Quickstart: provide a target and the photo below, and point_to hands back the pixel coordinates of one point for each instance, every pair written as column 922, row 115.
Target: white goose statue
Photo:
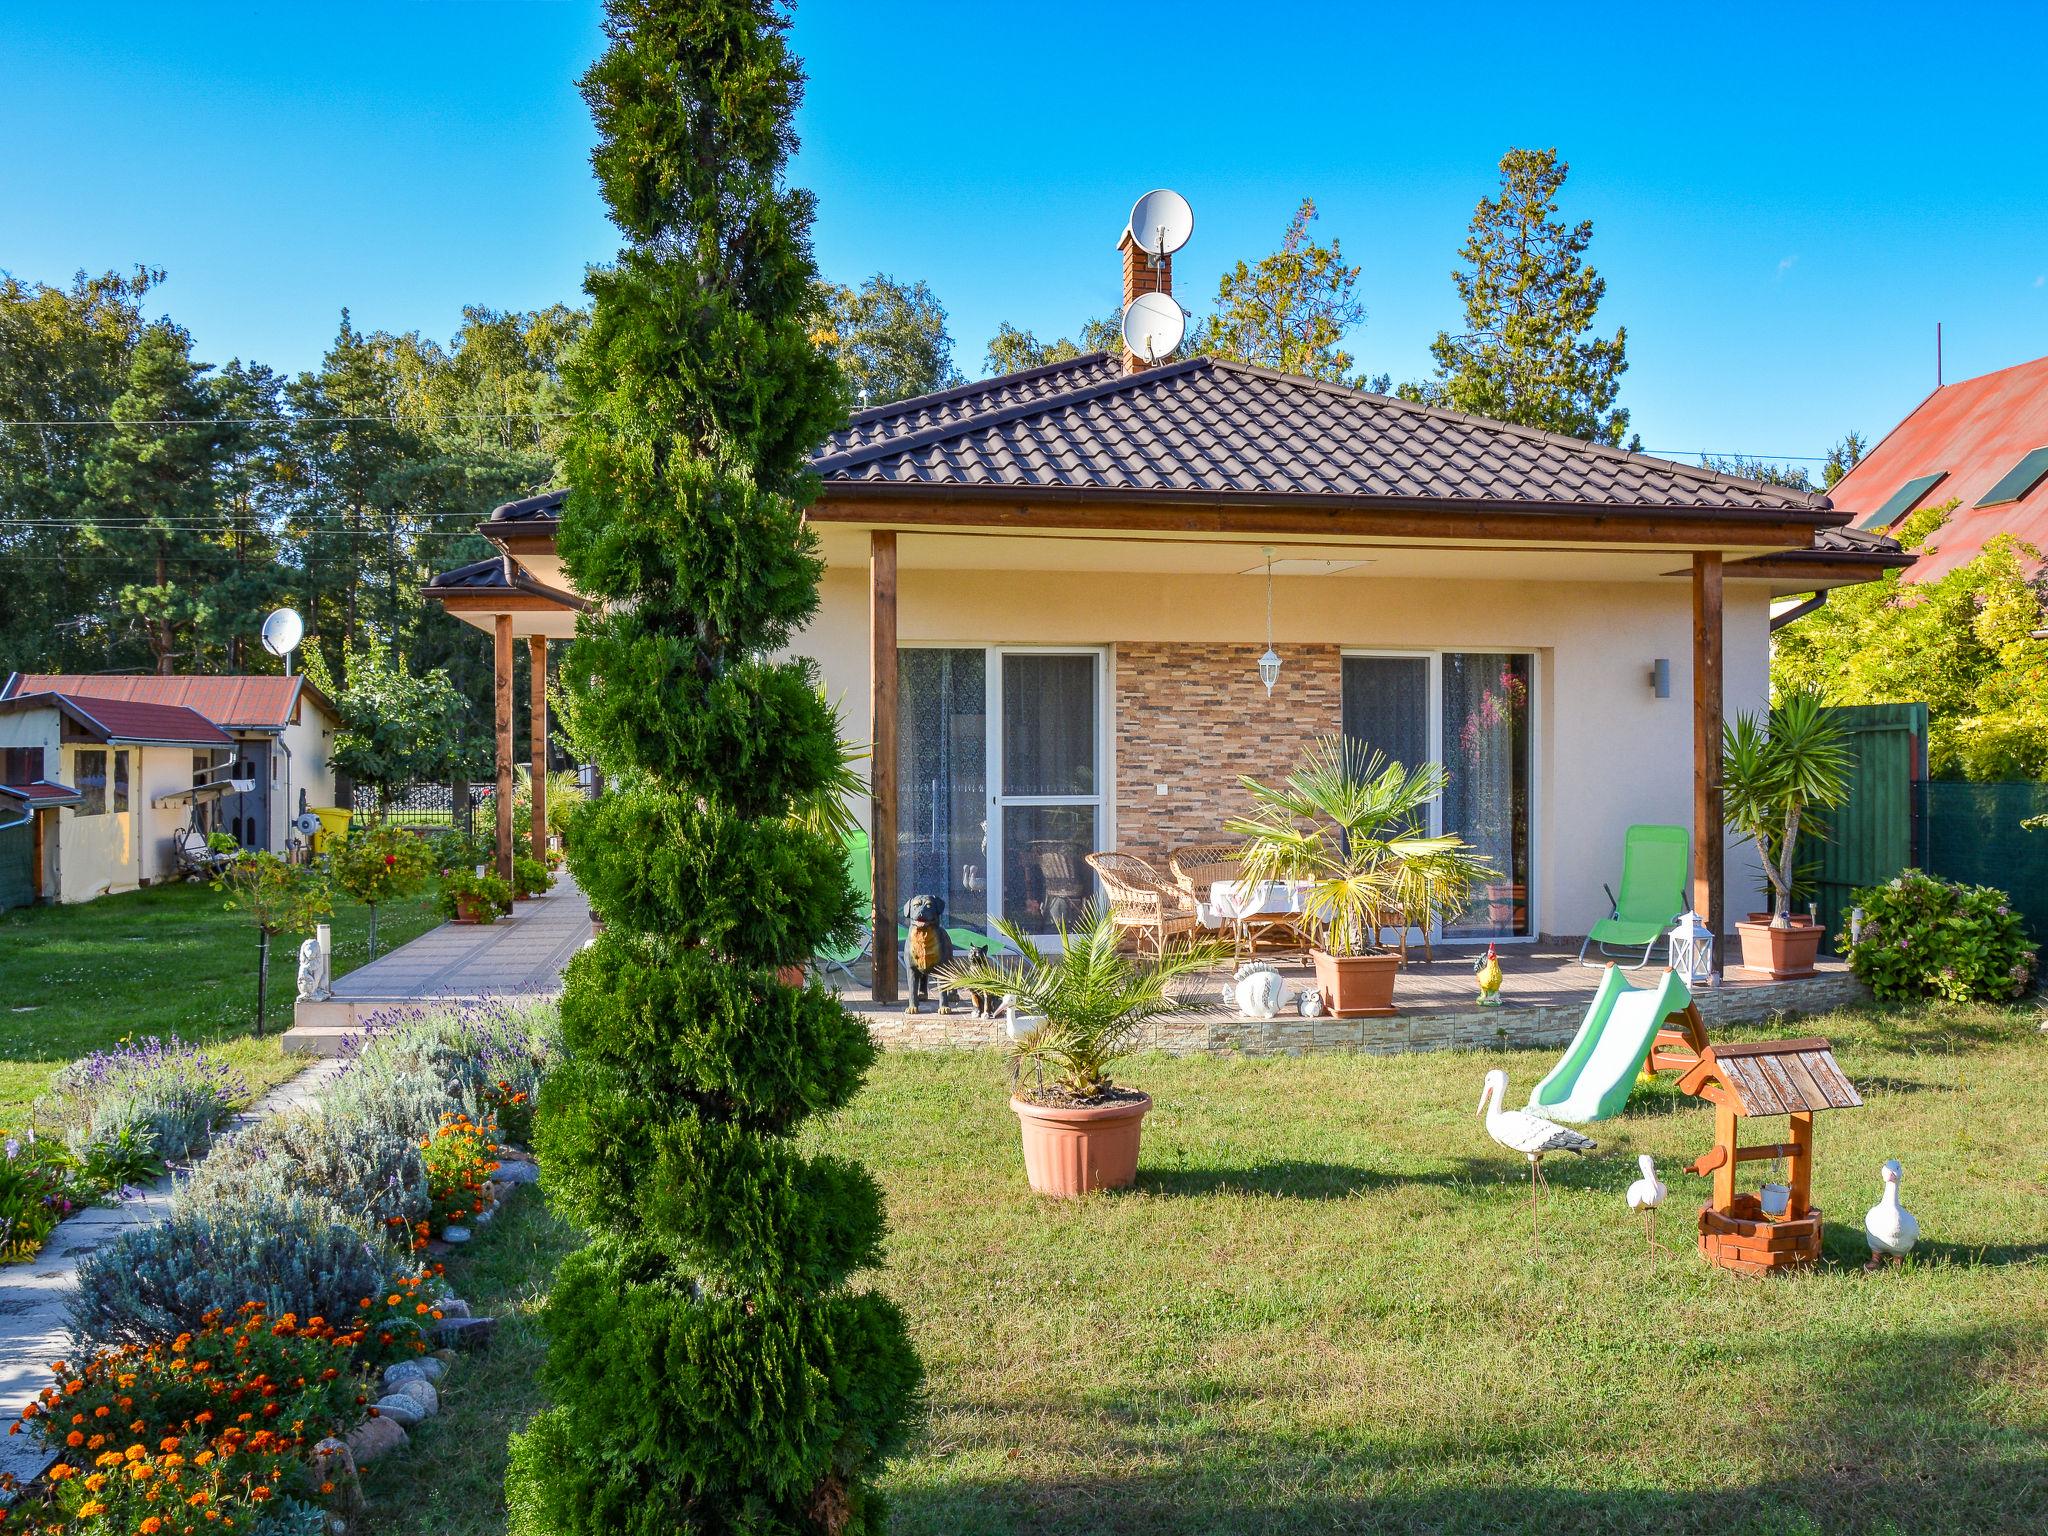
column 1530, row 1135
column 1646, row 1194
column 1888, row 1226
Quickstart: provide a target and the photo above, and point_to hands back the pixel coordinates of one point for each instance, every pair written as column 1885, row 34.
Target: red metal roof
column 124, row 720
column 1971, row 433
column 42, row 792
column 238, row 703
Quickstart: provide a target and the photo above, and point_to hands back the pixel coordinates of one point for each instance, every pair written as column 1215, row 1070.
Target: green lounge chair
column 862, row 872
column 1655, row 864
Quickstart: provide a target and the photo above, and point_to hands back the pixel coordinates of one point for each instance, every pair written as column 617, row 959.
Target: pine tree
column 710, row 1369
column 1530, row 299
column 1289, row 311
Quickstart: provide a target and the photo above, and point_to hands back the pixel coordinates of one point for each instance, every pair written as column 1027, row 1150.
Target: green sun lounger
column 1592, row 1080
column 1655, row 864
column 862, row 873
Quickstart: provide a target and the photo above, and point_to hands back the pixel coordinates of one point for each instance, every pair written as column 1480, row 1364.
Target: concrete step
column 327, row 1040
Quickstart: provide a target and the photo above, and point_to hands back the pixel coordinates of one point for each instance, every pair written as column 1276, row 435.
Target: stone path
column 33, row 1296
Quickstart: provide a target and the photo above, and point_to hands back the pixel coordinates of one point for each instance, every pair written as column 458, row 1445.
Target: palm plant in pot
column 1350, row 824
column 1777, row 774
column 1076, row 1014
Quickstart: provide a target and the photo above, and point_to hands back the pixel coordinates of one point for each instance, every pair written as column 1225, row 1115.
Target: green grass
column 161, row 961
column 1321, row 1310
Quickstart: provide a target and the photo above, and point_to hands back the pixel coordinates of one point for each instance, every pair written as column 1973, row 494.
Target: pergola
column 501, row 597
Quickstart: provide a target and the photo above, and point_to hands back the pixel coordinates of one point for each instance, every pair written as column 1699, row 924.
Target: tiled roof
column 125, row 721
column 1206, row 427
column 42, row 792
column 478, row 576
column 246, row 702
column 544, row 507
column 1971, row 434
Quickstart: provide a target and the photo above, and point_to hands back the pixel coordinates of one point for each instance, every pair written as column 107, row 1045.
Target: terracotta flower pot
column 1070, row 1150
column 1355, row 986
column 471, row 909
column 1783, row 954
column 790, row 975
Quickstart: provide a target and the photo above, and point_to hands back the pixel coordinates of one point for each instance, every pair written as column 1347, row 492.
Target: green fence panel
column 1974, row 835
column 17, row 867
column 1874, row 835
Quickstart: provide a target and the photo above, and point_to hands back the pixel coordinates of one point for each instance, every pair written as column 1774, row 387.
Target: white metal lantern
column 1269, row 669
column 1692, row 950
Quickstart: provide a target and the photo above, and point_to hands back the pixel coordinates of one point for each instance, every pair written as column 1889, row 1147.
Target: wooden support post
column 40, row 852
column 537, row 728
column 1727, row 1127
column 1707, row 838
column 1799, row 1167
column 882, row 765
column 501, row 688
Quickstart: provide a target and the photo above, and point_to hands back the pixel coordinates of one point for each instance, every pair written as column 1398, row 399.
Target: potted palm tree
column 1079, row 1012
column 1349, row 823
column 1777, row 774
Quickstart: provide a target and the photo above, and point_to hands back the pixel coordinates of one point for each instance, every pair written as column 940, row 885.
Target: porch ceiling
column 552, row 621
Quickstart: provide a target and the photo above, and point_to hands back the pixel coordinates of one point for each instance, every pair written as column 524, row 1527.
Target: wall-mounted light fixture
column 1660, row 677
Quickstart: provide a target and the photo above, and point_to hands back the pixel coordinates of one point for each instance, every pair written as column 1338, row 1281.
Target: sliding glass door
column 1000, row 782
column 1468, row 710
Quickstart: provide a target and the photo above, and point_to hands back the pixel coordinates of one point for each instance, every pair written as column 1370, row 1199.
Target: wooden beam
column 501, row 689
column 496, row 600
column 1707, row 630
column 1727, row 1131
column 41, row 848
column 882, row 765
column 1799, row 1166
column 537, row 730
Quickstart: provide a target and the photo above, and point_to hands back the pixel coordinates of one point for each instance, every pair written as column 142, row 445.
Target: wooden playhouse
column 1794, row 1078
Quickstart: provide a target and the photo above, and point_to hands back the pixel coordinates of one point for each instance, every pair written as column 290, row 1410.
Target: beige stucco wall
column 1608, row 752
column 309, row 739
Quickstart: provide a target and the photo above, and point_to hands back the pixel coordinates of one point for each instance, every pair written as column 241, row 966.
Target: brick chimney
column 1142, row 274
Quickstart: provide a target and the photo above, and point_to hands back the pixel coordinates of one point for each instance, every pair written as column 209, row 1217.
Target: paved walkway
column 34, row 1322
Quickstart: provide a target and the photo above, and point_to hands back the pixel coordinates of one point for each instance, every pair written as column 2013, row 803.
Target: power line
column 79, row 423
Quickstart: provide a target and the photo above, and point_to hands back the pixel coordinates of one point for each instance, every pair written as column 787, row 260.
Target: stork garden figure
column 1530, row 1135
column 1645, row 1195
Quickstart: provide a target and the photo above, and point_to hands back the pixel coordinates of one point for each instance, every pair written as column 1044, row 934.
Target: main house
column 105, row 775
column 1047, row 597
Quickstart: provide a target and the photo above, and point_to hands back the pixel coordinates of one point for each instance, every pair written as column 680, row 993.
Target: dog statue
column 930, row 949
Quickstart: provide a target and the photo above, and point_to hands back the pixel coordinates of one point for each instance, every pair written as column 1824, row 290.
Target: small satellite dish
column 283, row 629
column 1153, row 326
column 1161, row 222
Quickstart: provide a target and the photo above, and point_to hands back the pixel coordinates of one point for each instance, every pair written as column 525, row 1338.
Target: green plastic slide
column 1593, row 1079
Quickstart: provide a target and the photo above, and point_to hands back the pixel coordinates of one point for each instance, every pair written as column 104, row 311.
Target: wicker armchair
column 1196, row 869
column 1141, row 902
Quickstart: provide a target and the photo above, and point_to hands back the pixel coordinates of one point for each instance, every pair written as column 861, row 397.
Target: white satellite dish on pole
column 1153, row 326
column 1161, row 222
column 283, row 629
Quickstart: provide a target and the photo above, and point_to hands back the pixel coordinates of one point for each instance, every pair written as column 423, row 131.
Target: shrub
column 298, row 1254
column 371, row 1174
column 530, row 876
column 488, row 1059
column 486, row 896
column 213, row 1426
column 460, row 1156
column 178, row 1093
column 38, row 1189
column 1927, row 937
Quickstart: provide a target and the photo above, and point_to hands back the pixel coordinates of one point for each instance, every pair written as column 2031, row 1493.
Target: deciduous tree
column 1289, row 311
column 889, row 338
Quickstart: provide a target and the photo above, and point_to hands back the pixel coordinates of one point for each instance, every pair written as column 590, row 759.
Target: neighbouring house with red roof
column 1982, row 443
column 102, row 778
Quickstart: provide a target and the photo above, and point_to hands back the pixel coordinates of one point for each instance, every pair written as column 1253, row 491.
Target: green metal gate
column 1879, row 831
column 17, row 865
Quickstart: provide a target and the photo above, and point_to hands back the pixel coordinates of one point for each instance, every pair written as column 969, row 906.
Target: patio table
column 1250, row 910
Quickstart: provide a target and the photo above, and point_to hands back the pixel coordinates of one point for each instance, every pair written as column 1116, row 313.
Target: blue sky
column 1786, row 197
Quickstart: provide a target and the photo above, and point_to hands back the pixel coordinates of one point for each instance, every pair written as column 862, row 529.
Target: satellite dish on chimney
column 1153, row 326
column 283, row 629
column 1160, row 224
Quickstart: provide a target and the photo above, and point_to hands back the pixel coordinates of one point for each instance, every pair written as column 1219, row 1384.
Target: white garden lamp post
column 1692, row 951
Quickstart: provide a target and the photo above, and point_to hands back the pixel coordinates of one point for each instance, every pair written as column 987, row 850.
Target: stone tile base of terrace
column 1544, row 999
column 518, row 956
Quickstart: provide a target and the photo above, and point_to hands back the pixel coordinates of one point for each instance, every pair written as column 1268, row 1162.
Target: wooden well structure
column 1794, row 1078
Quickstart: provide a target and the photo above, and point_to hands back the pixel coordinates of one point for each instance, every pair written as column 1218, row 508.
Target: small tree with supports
column 382, row 864
column 277, row 897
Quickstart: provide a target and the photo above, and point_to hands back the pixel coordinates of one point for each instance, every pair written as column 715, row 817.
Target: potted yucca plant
column 1082, row 1010
column 1778, row 773
column 1349, row 823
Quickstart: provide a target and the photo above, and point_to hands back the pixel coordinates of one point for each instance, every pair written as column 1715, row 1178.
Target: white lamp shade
column 1269, row 669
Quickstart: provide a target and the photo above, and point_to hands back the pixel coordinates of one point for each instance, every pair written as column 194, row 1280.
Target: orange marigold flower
column 74, row 1439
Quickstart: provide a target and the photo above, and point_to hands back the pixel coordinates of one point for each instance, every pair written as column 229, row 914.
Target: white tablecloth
column 1233, row 901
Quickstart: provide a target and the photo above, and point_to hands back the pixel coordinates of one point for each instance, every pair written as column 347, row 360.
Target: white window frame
column 1537, row 788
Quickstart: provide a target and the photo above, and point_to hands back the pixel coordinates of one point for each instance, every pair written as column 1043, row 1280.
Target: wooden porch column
column 1706, row 749
column 39, row 836
column 501, row 688
column 537, row 727
column 882, row 765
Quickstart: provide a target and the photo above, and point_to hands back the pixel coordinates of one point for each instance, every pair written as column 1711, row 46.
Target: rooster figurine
column 1487, row 971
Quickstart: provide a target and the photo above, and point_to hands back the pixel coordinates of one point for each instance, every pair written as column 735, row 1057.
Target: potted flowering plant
column 1348, row 822
column 1077, row 1013
column 472, row 896
column 530, row 877
column 1777, row 773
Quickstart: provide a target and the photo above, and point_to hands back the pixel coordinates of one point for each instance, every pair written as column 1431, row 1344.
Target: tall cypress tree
column 710, row 1369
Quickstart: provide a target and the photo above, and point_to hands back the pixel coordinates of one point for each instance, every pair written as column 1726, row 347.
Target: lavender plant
column 175, row 1093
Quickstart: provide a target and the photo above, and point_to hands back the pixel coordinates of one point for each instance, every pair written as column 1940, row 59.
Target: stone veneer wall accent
column 1195, row 717
column 1461, row 1029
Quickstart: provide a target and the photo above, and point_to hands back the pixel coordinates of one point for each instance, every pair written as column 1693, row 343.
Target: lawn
column 161, row 961
column 1322, row 1310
